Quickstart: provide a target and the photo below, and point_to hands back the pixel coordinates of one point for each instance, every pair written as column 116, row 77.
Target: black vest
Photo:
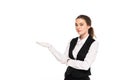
column 81, row 55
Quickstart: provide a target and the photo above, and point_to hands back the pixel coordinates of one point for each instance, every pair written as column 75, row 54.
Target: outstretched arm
column 60, row 57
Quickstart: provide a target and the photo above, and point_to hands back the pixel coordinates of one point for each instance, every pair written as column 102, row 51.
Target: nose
column 78, row 27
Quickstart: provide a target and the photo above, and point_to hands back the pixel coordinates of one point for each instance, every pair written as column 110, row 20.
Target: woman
column 80, row 52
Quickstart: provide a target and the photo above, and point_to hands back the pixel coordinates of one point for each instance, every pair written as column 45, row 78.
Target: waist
column 77, row 72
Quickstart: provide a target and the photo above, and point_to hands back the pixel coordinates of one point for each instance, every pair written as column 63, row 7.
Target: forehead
column 80, row 20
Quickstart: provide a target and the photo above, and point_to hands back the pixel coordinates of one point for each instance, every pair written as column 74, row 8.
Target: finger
column 42, row 44
column 38, row 43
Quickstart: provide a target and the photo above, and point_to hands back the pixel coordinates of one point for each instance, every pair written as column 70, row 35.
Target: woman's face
column 81, row 27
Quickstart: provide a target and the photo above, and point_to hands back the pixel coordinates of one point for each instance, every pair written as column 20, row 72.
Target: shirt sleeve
column 89, row 59
column 60, row 57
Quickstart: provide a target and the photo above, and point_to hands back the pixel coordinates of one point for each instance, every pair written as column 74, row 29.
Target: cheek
column 88, row 28
column 85, row 29
column 75, row 28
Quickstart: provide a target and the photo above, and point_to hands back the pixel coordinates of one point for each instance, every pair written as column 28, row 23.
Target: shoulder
column 73, row 39
column 95, row 44
column 95, row 41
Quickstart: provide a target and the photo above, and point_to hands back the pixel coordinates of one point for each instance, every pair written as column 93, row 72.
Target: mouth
column 78, row 30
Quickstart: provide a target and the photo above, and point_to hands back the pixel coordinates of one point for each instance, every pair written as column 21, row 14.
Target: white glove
column 44, row 44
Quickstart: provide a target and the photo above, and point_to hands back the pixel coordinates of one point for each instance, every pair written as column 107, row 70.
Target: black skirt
column 74, row 78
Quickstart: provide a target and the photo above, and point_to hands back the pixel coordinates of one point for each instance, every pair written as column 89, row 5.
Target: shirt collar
column 82, row 40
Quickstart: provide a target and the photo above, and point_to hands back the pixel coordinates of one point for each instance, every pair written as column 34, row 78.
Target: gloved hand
column 44, row 44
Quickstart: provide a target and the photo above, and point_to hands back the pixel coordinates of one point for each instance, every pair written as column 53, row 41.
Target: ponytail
column 91, row 32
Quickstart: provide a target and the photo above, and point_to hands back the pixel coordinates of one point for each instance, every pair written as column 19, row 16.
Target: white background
column 23, row 22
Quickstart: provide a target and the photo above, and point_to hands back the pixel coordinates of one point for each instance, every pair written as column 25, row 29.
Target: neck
column 83, row 36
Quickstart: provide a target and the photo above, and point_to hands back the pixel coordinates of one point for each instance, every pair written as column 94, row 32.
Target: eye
column 81, row 24
column 76, row 24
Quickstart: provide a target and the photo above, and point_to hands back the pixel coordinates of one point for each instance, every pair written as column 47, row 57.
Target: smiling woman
column 80, row 52
column 83, row 26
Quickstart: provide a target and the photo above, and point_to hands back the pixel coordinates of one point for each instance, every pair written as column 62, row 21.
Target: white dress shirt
column 78, row 64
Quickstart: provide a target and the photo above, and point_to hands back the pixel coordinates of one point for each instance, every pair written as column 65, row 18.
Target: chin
column 79, row 33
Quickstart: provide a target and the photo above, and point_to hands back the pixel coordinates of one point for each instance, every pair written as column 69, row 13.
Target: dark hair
column 88, row 21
